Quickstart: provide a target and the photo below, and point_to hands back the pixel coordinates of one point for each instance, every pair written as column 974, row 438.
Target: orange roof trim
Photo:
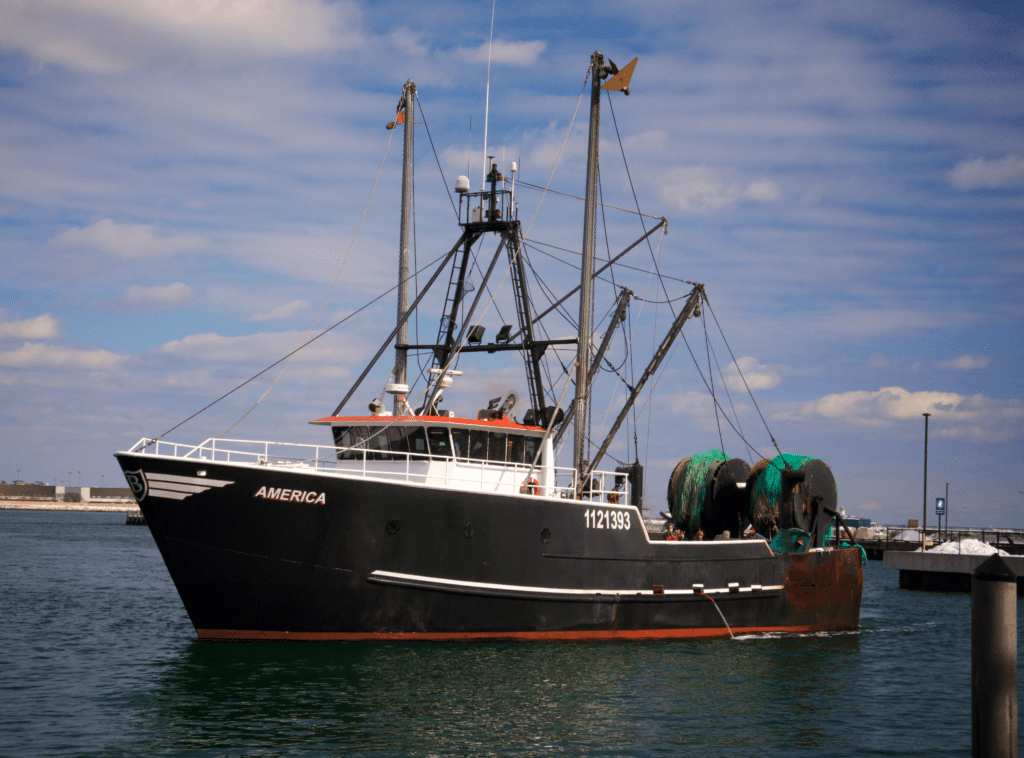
column 502, row 423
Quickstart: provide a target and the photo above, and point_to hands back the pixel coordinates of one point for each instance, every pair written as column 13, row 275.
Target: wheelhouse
column 495, row 454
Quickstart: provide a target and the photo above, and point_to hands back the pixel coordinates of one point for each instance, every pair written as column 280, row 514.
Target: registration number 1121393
column 596, row 519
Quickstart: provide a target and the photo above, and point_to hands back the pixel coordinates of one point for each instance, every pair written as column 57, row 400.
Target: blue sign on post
column 940, row 505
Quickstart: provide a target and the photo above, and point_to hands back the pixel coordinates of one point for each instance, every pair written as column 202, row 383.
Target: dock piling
column 994, row 660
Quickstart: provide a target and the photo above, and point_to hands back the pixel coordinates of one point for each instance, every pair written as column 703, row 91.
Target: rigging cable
column 543, row 330
column 731, row 355
column 711, row 376
column 728, row 394
column 577, row 197
column 416, row 275
column 329, row 293
column 604, row 223
column 635, row 200
column 632, row 377
column 620, row 264
column 714, row 399
column 440, row 170
column 289, row 355
column 537, row 210
column 559, row 156
column 654, row 337
column 566, row 263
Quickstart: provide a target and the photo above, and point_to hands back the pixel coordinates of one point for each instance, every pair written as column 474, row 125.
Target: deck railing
column 421, row 468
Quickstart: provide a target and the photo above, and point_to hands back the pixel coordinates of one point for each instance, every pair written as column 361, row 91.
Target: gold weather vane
column 619, row 81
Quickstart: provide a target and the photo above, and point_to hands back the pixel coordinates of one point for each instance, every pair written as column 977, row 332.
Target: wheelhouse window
column 379, row 443
column 460, row 442
column 407, row 439
column 399, row 441
column 478, row 444
column 496, row 447
column 440, row 443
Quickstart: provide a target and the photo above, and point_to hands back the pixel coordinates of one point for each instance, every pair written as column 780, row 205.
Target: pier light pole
column 947, row 510
column 924, row 516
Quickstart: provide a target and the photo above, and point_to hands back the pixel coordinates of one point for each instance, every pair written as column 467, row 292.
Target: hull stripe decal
column 170, row 494
column 596, row 634
column 187, row 489
column 431, row 582
column 175, row 487
column 200, row 480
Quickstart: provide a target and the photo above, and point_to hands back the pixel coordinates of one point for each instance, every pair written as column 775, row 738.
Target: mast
column 401, row 351
column 597, row 72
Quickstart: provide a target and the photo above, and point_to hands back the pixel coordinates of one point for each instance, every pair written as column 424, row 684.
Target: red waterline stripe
column 605, row 634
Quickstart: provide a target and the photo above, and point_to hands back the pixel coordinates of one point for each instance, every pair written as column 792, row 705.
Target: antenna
column 469, row 148
column 487, row 97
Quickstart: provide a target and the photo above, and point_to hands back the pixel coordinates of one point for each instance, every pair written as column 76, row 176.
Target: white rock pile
column 966, row 547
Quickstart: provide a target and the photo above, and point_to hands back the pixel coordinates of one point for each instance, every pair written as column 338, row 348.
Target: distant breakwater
column 124, row 506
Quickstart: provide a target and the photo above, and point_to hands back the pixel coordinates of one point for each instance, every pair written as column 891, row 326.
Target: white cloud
column 702, row 189
column 160, row 297
column 103, row 36
column 35, row 355
column 758, row 376
column 42, row 327
column 261, row 348
column 763, row 191
column 691, row 404
column 408, row 41
column 124, row 240
column 965, row 362
column 1007, row 171
column 953, row 415
column 504, row 52
column 282, row 311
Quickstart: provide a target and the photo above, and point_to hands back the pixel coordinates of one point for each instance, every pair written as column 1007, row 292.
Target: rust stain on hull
column 823, row 590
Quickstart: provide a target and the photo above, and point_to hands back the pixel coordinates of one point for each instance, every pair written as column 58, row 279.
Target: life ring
column 530, row 487
column 613, row 498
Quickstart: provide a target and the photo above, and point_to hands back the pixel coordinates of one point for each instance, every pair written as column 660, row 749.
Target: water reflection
column 501, row 698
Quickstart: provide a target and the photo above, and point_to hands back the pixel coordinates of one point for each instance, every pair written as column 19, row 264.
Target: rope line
column 731, row 635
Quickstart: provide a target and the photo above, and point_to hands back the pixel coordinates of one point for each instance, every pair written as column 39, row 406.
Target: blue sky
column 180, row 182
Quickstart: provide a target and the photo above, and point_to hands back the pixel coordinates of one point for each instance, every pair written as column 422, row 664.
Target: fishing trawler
column 415, row 523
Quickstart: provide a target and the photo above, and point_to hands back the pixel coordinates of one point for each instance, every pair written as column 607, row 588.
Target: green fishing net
column 695, row 490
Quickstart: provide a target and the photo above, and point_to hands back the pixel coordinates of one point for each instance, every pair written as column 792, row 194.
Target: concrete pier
column 941, row 572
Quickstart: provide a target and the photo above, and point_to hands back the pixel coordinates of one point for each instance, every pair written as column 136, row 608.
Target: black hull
column 364, row 559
